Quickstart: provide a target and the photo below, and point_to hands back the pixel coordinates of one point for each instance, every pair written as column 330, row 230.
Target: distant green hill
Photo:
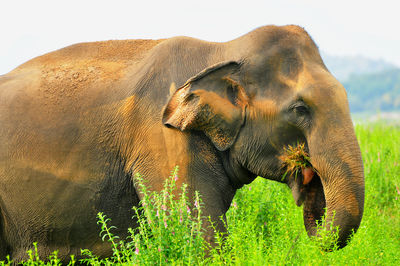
column 342, row 67
column 374, row 92
column 372, row 85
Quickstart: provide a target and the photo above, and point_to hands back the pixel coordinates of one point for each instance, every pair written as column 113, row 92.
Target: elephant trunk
column 338, row 186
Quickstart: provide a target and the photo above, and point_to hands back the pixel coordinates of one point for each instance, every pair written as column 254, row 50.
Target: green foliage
column 169, row 229
column 327, row 235
column 264, row 224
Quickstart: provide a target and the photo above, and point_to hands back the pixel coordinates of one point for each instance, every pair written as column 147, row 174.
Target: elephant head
column 273, row 91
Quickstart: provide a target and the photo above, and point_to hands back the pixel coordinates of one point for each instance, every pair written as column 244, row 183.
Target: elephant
column 78, row 123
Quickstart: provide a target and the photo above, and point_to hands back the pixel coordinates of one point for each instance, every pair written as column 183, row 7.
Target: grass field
column 265, row 226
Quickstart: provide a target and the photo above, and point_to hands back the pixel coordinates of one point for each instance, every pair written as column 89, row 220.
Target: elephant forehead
column 279, row 38
column 280, row 48
column 317, row 86
column 327, row 97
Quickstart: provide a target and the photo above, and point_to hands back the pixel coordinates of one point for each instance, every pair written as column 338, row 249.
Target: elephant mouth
column 309, row 192
column 314, row 205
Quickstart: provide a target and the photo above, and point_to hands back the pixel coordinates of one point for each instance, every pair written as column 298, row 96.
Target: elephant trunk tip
column 324, row 222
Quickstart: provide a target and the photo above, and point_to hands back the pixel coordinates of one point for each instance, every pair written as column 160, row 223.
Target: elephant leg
column 219, row 227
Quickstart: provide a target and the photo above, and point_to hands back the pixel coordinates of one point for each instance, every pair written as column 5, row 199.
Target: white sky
column 342, row 27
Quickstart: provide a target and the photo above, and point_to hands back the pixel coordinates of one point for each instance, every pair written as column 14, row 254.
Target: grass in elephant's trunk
column 296, row 159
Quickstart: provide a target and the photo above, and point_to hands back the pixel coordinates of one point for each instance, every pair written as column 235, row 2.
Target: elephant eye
column 300, row 108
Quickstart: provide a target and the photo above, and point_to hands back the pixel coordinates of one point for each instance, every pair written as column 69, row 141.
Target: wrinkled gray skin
column 77, row 123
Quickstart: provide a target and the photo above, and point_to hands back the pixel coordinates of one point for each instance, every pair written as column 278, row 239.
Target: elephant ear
column 211, row 102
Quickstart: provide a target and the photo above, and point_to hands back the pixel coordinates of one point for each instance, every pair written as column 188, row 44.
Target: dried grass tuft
column 295, row 158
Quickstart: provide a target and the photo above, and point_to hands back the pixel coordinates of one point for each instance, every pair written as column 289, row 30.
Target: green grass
column 265, row 226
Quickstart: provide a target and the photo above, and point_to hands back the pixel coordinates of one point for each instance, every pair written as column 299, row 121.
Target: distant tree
column 373, row 92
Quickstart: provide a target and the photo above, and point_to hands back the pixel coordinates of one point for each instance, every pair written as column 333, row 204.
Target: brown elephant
column 77, row 123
